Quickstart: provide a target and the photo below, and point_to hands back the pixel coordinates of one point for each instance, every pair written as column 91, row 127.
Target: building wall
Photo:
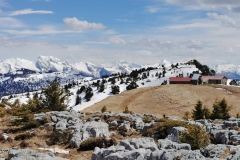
column 177, row 82
column 224, row 81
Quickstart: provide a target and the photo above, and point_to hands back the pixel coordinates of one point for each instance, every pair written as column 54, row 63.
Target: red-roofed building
column 214, row 80
column 179, row 80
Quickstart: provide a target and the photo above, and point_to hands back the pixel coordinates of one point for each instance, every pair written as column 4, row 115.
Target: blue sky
column 140, row 31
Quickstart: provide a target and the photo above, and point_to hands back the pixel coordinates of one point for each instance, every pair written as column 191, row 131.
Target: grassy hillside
column 171, row 100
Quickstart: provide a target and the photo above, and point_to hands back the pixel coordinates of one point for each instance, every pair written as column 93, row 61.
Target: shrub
column 59, row 137
column 115, row 89
column 100, row 142
column 23, row 136
column 104, row 109
column 160, row 128
column 126, row 110
column 132, row 85
column 195, row 136
column 30, row 125
column 147, row 119
column 23, row 144
column 2, row 112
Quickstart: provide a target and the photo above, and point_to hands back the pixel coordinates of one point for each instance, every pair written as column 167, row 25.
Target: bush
column 147, row 119
column 160, row 128
column 104, row 109
column 2, row 112
column 100, row 142
column 23, row 136
column 59, row 137
column 195, row 136
column 30, row 125
column 126, row 110
column 115, row 89
column 23, row 144
column 132, row 85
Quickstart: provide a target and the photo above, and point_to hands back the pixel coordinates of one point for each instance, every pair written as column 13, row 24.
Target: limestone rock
column 26, row 154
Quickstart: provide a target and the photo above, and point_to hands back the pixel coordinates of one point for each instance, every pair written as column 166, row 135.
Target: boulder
column 230, row 124
column 173, row 133
column 167, row 144
column 61, row 125
column 131, row 149
column 88, row 130
column 26, row 154
column 193, row 155
column 213, row 151
column 235, row 139
column 221, row 136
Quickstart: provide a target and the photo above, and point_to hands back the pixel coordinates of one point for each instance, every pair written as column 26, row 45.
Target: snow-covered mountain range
column 229, row 70
column 49, row 64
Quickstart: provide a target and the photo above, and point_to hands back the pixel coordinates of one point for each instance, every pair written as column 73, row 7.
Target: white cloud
column 79, row 25
column 36, row 32
column 224, row 5
column 4, row 4
column 9, row 22
column 152, row 9
column 29, row 11
column 117, row 40
column 224, row 19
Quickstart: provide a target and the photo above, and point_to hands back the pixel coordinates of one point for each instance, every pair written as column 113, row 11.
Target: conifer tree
column 198, row 112
column 54, row 97
column 216, row 113
column 88, row 94
column 115, row 89
column 78, row 100
column 224, row 109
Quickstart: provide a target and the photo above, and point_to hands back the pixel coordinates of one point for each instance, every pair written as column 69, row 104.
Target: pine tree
column 101, row 87
column 35, row 95
column 78, row 100
column 54, row 97
column 224, row 109
column 115, row 89
column 198, row 112
column 206, row 113
column 216, row 113
column 88, row 94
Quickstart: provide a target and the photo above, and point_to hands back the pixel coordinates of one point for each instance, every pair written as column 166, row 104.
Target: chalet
column 196, row 79
column 214, row 80
column 179, row 80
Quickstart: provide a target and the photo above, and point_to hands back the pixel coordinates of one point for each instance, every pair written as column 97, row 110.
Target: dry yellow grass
column 170, row 100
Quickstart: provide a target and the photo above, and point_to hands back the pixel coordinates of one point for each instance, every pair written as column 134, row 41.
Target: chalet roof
column 179, row 79
column 206, row 78
column 196, row 76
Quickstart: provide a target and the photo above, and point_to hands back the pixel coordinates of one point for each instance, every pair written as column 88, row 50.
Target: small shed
column 179, row 80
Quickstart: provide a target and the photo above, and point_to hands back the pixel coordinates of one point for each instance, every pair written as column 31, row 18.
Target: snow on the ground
column 55, row 150
column 151, row 80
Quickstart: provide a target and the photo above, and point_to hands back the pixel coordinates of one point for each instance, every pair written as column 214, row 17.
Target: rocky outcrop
column 88, row 130
column 26, row 154
column 145, row 149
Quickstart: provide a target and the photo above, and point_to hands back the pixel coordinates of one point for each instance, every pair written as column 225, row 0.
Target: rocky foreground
column 86, row 127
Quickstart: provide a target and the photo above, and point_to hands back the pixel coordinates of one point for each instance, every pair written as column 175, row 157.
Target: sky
column 138, row 31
